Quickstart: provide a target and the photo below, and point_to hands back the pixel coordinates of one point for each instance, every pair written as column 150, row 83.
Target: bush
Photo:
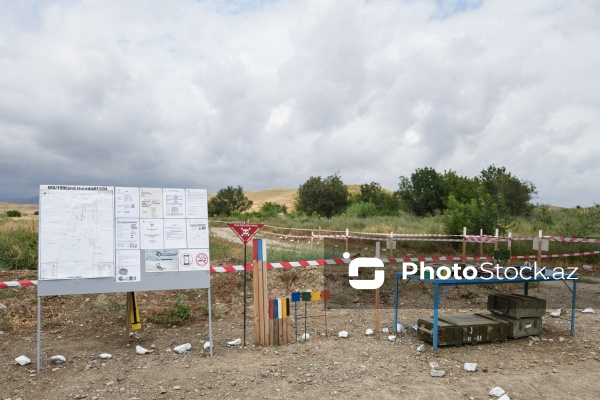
column 481, row 212
column 362, row 210
column 13, row 213
column 324, row 197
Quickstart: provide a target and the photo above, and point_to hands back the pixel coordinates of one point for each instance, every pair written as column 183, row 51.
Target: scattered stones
column 23, row 360
column 436, row 373
column 183, row 348
column 140, row 350
column 497, row 391
column 470, row 367
column 58, row 359
column 555, row 314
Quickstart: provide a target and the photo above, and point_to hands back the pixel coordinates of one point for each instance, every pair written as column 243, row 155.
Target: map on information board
column 77, row 238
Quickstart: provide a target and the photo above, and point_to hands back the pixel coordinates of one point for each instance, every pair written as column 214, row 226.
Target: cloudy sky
column 265, row 94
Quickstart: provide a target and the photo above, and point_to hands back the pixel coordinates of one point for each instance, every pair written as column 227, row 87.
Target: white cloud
column 266, row 94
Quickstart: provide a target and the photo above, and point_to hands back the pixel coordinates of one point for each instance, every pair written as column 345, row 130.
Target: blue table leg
column 396, row 307
column 573, row 305
column 526, row 290
column 436, row 305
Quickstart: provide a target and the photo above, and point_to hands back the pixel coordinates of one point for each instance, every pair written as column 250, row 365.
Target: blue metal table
column 494, row 280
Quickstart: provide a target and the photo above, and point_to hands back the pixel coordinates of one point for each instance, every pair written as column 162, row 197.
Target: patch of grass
column 177, row 315
column 7, row 293
column 6, row 324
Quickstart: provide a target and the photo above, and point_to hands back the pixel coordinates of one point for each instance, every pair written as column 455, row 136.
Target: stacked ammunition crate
column 522, row 313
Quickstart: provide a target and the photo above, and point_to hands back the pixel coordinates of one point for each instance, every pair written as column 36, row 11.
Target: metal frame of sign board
column 149, row 281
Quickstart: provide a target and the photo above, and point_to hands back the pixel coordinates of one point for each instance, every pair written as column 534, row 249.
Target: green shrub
column 19, row 249
column 362, row 209
column 13, row 213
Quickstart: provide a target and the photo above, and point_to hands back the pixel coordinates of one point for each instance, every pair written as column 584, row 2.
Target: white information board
column 100, row 239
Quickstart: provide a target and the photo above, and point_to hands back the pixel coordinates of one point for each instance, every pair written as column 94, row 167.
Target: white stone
column 385, row 330
column 497, row 391
column 369, row 332
column 436, row 373
column 343, row 334
column 587, row 267
column 433, row 365
column 470, row 367
column 23, row 360
column 140, row 350
column 235, row 342
column 555, row 314
column 589, row 310
column 58, row 359
column 392, row 338
column 504, row 397
column 182, row 348
column 399, row 328
column 305, row 336
column 206, row 346
column 421, row 348
column 105, row 356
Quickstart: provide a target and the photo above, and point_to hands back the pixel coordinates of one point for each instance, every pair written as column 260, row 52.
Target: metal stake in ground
column 245, row 232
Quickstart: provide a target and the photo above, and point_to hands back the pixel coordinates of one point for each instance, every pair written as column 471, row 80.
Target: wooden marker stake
column 377, row 294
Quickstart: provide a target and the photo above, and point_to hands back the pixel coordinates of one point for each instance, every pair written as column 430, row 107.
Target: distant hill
column 259, row 197
column 279, row 196
column 27, row 209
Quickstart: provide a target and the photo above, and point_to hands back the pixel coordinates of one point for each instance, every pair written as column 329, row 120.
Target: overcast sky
column 264, row 94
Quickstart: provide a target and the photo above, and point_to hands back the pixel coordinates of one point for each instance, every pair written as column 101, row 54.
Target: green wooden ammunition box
column 516, row 305
column 523, row 327
column 464, row 329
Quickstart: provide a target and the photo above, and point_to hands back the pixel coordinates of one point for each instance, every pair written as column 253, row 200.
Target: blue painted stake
column 295, row 300
column 573, row 307
column 436, row 305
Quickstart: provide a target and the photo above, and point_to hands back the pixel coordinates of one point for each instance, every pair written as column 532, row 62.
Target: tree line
column 487, row 201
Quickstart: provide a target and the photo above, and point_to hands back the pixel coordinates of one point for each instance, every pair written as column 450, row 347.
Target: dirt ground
column 553, row 365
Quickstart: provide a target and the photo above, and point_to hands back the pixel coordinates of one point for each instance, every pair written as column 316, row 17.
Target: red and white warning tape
column 340, row 261
column 285, row 236
column 17, row 283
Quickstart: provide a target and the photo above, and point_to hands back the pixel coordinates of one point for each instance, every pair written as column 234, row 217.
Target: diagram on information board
column 77, row 233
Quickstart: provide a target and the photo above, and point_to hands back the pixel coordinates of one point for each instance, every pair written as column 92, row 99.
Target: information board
column 101, row 239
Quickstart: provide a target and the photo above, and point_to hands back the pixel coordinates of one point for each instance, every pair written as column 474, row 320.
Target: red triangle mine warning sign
column 245, row 231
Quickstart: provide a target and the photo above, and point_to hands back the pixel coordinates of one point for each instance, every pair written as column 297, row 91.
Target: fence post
column 481, row 243
column 347, row 234
column 539, row 253
column 496, row 245
column 464, row 249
